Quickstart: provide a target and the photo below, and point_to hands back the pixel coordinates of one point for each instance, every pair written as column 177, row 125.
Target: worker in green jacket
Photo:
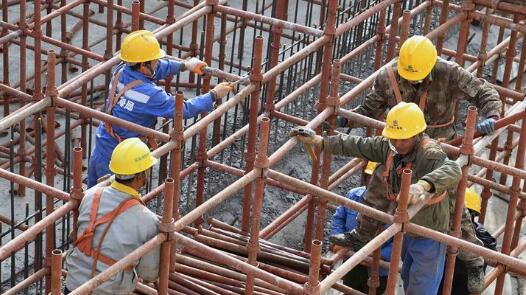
column 402, row 146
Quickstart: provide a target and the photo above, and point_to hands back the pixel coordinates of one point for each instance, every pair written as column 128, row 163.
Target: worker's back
column 129, row 230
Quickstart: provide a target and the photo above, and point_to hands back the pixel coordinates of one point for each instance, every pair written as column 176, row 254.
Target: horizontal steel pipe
column 269, row 20
column 128, row 260
column 29, row 235
column 33, row 184
column 515, row 264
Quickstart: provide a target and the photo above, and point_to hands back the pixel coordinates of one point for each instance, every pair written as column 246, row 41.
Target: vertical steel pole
column 466, row 149
column 166, row 222
column 312, row 286
column 22, row 125
column 400, row 216
column 201, row 154
column 52, row 93
column 136, row 10
column 443, row 18
column 262, row 164
column 178, row 138
column 56, row 272
column 380, row 32
column 77, row 193
column 514, row 196
column 467, row 9
column 393, row 32
column 255, row 78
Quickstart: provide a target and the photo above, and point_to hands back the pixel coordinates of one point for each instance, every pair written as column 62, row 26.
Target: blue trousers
column 98, row 167
column 423, row 265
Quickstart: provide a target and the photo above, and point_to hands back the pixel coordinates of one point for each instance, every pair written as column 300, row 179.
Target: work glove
column 419, row 191
column 342, row 121
column 486, row 126
column 306, row 135
column 348, row 239
column 195, row 65
column 221, row 90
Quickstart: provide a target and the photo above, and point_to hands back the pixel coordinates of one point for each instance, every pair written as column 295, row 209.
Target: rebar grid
column 347, row 42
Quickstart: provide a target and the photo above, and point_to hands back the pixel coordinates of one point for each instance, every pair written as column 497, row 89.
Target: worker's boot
column 475, row 279
column 348, row 239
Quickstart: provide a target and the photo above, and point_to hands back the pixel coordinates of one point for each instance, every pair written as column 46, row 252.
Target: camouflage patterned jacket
column 448, row 83
column 429, row 163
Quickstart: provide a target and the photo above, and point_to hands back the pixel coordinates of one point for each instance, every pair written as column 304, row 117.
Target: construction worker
column 113, row 221
column 436, row 85
column 402, row 146
column 344, row 220
column 472, row 202
column 136, row 98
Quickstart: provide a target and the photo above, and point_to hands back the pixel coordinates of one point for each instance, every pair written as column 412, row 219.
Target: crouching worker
column 113, row 222
column 344, row 220
column 403, row 145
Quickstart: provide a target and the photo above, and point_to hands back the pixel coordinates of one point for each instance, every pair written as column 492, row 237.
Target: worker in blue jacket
column 135, row 97
column 344, row 220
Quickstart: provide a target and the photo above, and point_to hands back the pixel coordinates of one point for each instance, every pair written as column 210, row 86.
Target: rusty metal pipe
column 164, row 268
column 56, row 272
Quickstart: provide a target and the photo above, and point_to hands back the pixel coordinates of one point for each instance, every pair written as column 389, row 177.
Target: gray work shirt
column 129, row 230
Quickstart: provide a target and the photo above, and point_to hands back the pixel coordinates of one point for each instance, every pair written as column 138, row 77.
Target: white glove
column 306, row 135
column 195, row 65
column 418, row 191
column 221, row 90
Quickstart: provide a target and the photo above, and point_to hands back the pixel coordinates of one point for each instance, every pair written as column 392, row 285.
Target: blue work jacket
column 144, row 103
column 344, row 220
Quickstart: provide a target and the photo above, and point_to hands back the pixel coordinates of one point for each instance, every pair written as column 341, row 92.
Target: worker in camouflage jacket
column 436, row 85
column 402, row 146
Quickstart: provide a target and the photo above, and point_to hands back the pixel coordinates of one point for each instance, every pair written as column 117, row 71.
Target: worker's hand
column 418, row 191
column 306, row 135
column 486, row 126
column 221, row 90
column 342, row 121
column 195, row 65
column 348, row 239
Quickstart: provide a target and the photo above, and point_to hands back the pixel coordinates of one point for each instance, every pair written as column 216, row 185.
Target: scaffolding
column 292, row 74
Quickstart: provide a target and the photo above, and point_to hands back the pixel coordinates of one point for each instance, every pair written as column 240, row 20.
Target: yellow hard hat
column 370, row 167
column 130, row 157
column 404, row 121
column 140, row 46
column 417, row 58
column 472, row 200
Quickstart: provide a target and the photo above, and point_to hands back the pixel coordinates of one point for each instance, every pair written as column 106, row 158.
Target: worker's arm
column 444, row 173
column 148, row 266
column 167, row 67
column 161, row 104
column 477, row 91
column 339, row 220
column 371, row 148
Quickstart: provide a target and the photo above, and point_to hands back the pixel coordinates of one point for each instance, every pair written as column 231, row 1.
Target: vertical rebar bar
column 22, row 125
column 255, row 78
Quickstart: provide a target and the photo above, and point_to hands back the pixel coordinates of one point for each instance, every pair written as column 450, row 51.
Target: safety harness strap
column 114, row 99
column 85, row 241
column 422, row 101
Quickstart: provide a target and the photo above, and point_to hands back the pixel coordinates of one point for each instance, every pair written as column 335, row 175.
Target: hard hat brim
column 391, row 134
column 159, row 55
